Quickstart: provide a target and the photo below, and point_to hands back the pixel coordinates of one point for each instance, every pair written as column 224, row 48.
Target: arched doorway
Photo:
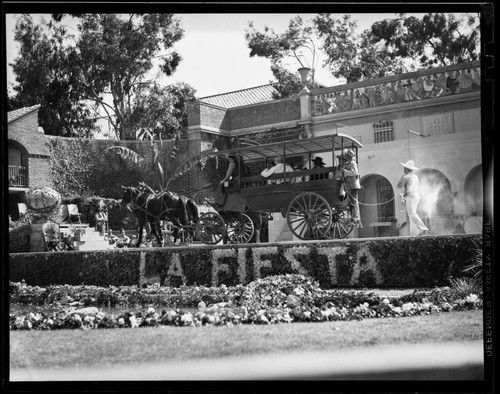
column 376, row 207
column 473, row 199
column 473, row 192
column 436, row 201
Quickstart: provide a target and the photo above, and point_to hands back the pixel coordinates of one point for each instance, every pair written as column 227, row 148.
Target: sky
column 215, row 55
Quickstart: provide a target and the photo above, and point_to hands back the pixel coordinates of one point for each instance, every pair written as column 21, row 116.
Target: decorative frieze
column 401, row 88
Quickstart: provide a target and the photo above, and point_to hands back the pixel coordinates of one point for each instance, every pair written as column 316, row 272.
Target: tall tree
column 44, row 76
column 103, row 67
column 116, row 54
column 293, row 48
column 390, row 46
column 436, row 39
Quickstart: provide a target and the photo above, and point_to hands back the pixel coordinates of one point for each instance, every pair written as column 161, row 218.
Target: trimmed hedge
column 19, row 239
column 401, row 262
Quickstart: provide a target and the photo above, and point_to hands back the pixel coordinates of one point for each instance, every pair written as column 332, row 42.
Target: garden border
column 402, row 262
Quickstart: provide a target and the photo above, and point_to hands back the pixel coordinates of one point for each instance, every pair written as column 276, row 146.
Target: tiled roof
column 19, row 113
column 255, row 95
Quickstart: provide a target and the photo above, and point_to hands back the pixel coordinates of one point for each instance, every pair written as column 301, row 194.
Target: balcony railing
column 401, row 88
column 18, row 176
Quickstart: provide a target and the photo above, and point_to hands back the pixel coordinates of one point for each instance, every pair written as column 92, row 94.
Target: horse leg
column 155, row 230
column 139, row 235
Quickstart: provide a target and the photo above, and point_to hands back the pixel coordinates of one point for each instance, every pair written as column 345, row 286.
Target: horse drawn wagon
column 308, row 198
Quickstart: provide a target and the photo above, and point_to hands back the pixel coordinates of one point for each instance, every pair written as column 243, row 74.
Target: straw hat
column 409, row 165
column 348, row 154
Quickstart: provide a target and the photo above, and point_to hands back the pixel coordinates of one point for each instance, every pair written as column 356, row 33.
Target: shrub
column 19, row 239
column 462, row 287
column 426, row 262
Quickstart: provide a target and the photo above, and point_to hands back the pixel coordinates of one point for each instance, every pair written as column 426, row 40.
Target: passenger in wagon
column 279, row 168
column 349, row 172
column 318, row 163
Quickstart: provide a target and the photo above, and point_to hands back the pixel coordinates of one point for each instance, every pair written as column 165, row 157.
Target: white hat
column 410, row 165
column 348, row 154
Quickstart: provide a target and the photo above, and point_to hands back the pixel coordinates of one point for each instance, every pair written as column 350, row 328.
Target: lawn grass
column 105, row 347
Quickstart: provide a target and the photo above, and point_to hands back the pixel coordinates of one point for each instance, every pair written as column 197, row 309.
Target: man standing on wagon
column 350, row 173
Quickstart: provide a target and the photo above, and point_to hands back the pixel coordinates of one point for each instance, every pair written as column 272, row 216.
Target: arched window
column 14, row 156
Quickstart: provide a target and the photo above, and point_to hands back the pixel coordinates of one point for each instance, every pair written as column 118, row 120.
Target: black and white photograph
column 227, row 199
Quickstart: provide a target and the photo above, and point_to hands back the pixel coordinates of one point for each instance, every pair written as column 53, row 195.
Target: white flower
column 397, row 309
column 171, row 314
column 187, row 319
column 264, row 319
column 298, row 291
column 151, row 310
column 385, row 301
column 408, row 306
column 133, row 321
column 121, row 321
column 472, row 298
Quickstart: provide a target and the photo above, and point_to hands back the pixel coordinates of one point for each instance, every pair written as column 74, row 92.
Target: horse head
column 130, row 194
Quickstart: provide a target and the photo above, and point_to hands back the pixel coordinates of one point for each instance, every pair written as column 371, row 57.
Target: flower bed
column 275, row 299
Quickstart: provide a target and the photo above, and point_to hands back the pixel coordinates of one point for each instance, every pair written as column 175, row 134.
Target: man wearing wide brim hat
column 410, row 183
column 348, row 154
column 318, row 162
column 350, row 173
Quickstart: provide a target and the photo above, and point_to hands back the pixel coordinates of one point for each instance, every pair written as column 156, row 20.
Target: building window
column 437, row 124
column 383, row 131
column 385, row 200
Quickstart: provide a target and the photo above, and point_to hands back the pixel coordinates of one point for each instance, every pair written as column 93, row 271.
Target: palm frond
column 125, row 153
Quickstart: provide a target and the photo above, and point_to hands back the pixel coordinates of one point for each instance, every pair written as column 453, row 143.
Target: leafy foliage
column 19, row 239
column 46, row 75
column 116, row 53
column 83, row 168
column 390, row 46
column 273, row 300
column 110, row 57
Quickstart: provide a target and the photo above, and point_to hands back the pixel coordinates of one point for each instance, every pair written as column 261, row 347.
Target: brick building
column 28, row 155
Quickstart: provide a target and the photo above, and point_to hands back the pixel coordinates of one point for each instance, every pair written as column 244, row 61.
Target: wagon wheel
column 341, row 223
column 309, row 216
column 239, row 229
column 210, row 228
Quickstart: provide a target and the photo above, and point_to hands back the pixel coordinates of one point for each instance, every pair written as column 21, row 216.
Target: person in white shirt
column 278, row 168
column 410, row 182
column 350, row 173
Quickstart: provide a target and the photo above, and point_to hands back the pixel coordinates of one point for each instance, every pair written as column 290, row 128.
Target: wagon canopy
column 332, row 142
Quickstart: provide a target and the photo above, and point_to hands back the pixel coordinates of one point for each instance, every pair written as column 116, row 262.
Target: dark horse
column 153, row 207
